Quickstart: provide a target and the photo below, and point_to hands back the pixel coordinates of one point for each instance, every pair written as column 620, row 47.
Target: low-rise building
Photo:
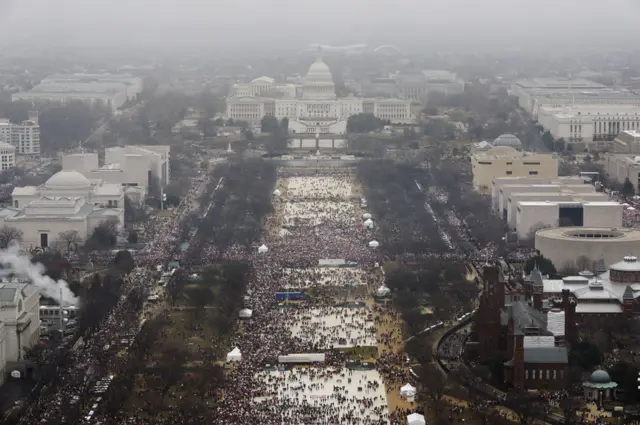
column 563, row 246
column 533, row 216
column 535, row 342
column 591, row 125
column 555, row 194
column 109, row 90
column 130, row 166
column 608, row 292
column 20, row 317
column 506, row 161
column 620, row 167
column 498, row 196
column 67, row 202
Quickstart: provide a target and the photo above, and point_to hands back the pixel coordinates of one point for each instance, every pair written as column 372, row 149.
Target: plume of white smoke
column 20, row 265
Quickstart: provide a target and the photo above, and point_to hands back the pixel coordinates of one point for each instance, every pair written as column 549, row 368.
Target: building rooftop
column 546, row 355
column 575, row 202
column 558, row 83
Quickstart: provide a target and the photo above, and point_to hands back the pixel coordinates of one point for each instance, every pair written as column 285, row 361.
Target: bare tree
column 584, row 263
column 69, row 239
column 9, row 235
column 525, row 406
column 434, row 387
column 570, row 409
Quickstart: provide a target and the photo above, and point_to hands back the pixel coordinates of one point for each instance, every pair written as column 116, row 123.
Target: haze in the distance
column 246, row 23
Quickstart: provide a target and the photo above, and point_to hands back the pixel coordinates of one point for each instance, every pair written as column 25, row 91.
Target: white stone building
column 532, row 216
column 311, row 107
column 504, row 161
column 589, row 123
column 68, row 201
column 535, row 93
column 20, row 315
column 110, row 90
column 7, row 156
column 25, row 137
column 128, row 166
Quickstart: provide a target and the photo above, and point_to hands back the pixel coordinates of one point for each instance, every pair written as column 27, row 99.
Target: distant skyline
column 414, row 24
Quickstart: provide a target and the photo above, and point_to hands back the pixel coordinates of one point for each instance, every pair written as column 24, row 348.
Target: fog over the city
column 414, row 23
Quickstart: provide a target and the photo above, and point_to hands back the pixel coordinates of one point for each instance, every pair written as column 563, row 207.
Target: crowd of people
column 94, row 354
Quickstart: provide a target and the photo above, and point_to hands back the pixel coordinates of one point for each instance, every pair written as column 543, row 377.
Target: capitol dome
column 318, row 84
column 319, row 72
column 67, row 180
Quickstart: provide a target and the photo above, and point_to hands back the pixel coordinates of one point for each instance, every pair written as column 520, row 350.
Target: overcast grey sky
column 299, row 22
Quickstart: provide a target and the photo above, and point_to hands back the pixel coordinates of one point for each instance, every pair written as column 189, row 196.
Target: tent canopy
column 366, row 216
column 374, row 244
column 263, row 249
column 415, row 419
column 234, row 355
column 408, row 390
column 277, row 192
column 245, row 313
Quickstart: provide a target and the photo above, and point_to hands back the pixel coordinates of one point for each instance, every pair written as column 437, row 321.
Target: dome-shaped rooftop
column 600, row 377
column 319, row 72
column 65, row 180
column 508, row 140
column 628, row 264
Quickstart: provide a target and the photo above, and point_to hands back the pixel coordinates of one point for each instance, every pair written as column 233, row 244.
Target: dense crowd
column 75, row 374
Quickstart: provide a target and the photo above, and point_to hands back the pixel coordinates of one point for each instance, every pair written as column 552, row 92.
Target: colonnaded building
column 311, row 107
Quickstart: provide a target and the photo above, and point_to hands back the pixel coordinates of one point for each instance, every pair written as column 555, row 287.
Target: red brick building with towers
column 510, row 324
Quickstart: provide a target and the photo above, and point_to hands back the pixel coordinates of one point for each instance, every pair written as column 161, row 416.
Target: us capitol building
column 311, row 107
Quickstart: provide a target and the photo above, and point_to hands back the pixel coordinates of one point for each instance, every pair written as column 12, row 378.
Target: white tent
column 277, row 193
column 383, row 291
column 374, row 244
column 408, row 392
column 415, row 419
column 245, row 313
column 368, row 224
column 631, row 209
column 234, row 355
column 16, row 374
column 263, row 249
column 366, row 216
column 625, row 205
